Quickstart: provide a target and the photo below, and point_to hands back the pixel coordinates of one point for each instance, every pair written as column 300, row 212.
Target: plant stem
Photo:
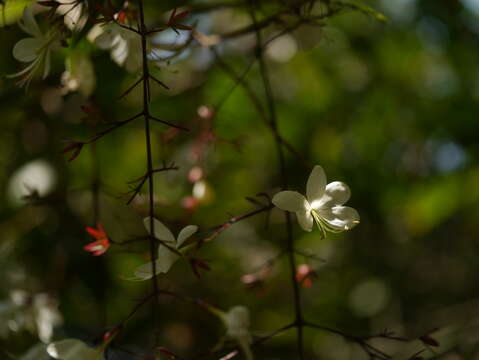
column 146, row 113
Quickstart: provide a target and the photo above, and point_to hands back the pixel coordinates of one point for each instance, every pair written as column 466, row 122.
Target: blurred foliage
column 389, row 108
column 11, row 10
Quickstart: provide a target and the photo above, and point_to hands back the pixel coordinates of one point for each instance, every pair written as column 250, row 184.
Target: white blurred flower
column 323, row 204
column 74, row 349
column 37, row 176
column 47, row 316
column 19, row 297
column 79, row 75
column 74, row 12
column 36, row 49
column 124, row 45
column 282, row 49
column 166, row 258
column 36, row 352
column 15, row 314
column 38, row 314
column 237, row 322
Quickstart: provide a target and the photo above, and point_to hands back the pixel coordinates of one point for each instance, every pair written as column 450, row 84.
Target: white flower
column 124, row 45
column 74, row 349
column 166, row 258
column 74, row 13
column 323, row 204
column 36, row 49
column 237, row 322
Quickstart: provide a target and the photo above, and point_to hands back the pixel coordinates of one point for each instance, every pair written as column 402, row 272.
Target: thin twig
column 116, row 125
column 126, row 92
column 168, row 123
column 218, row 229
column 161, row 83
column 143, row 179
column 371, row 350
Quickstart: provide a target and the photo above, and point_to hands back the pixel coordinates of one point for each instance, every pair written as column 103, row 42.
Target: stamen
column 319, row 223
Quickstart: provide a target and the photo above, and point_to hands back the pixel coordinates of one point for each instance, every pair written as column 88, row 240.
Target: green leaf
column 12, row 10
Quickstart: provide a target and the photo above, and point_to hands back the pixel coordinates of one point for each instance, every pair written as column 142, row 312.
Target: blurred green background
column 389, row 108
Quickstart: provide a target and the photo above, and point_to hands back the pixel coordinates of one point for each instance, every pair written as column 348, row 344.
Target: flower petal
column 305, row 220
column 73, row 12
column 71, row 349
column 119, row 51
column 161, row 231
column 29, row 24
column 290, row 201
column 97, row 234
column 185, row 233
column 166, row 259
column 94, row 246
column 144, row 272
column 339, row 218
column 337, row 193
column 98, row 247
column 26, row 50
column 104, row 36
column 316, row 184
